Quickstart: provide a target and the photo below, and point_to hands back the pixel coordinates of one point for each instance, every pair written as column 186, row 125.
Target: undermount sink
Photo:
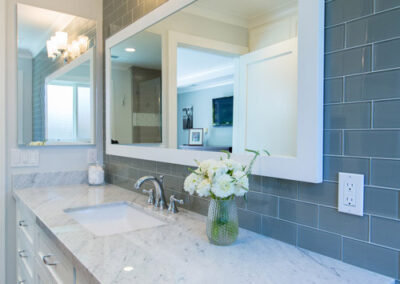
column 113, row 218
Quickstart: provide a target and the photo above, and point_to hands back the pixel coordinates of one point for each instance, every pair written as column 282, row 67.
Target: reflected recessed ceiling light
column 128, row 268
column 130, row 49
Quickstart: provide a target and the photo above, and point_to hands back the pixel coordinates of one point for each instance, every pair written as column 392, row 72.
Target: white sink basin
column 113, row 218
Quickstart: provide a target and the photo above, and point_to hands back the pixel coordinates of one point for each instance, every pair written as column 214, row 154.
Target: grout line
column 278, row 214
column 369, row 228
column 370, row 171
column 363, row 17
column 362, row 157
column 362, row 73
column 342, row 141
column 373, row 47
column 344, row 89
column 341, row 247
column 372, row 115
column 351, row 47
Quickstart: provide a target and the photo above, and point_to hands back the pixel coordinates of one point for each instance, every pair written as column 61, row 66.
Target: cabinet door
column 41, row 277
column 268, row 75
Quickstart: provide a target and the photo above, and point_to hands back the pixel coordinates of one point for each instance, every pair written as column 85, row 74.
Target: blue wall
column 201, row 101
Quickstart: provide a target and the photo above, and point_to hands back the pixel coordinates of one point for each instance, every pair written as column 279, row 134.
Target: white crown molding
column 223, row 81
column 272, row 15
column 206, row 76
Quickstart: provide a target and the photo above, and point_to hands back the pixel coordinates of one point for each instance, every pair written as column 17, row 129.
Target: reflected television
column 223, row 111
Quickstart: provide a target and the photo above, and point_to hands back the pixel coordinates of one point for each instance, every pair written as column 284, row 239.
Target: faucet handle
column 161, row 179
column 150, row 192
column 172, row 206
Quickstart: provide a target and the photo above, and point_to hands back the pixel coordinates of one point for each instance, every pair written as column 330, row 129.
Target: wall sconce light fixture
column 58, row 46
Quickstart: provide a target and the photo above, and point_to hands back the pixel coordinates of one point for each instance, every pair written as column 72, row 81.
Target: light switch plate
column 24, row 158
column 351, row 193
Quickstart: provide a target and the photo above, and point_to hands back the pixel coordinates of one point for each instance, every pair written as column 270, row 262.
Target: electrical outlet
column 351, row 193
column 92, row 156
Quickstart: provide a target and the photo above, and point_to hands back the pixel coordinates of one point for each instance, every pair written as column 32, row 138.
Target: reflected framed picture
column 196, row 137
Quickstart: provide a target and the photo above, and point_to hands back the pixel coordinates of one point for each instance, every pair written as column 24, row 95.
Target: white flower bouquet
column 220, row 179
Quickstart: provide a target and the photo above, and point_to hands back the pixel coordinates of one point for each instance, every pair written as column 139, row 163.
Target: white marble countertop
column 178, row 252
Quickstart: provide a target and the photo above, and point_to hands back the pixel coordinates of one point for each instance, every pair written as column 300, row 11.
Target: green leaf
column 227, row 153
column 193, row 171
column 253, row 151
column 265, row 151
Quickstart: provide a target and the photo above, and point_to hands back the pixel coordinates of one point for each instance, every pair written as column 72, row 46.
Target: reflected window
column 68, row 113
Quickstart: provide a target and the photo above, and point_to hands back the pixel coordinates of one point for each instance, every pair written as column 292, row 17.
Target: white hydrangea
column 191, row 182
column 205, row 165
column 222, row 179
column 204, row 187
column 232, row 165
column 242, row 183
column 216, row 169
column 223, row 186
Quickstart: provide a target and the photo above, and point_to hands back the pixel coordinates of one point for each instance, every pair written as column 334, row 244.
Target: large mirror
column 219, row 75
column 56, row 82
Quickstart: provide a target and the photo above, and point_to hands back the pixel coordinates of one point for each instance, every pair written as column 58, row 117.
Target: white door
column 266, row 106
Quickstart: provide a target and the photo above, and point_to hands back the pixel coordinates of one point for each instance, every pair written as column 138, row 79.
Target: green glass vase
column 222, row 222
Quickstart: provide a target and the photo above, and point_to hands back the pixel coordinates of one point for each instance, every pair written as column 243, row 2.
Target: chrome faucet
column 158, row 184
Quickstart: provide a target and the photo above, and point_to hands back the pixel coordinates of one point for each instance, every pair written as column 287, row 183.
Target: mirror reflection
column 136, row 88
column 55, row 77
column 214, row 61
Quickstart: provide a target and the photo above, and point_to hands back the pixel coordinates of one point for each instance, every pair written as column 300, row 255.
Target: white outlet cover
column 92, row 156
column 351, row 193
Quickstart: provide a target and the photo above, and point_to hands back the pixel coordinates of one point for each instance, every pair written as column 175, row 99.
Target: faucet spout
column 140, row 181
column 158, row 184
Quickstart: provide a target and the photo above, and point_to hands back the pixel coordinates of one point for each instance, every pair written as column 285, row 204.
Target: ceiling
column 246, row 13
column 37, row 25
column 198, row 65
column 147, row 54
column 80, row 74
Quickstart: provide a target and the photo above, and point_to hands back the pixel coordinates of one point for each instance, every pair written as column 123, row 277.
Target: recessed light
column 130, row 49
column 128, row 268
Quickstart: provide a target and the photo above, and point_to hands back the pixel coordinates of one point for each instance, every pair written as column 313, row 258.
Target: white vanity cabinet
column 39, row 259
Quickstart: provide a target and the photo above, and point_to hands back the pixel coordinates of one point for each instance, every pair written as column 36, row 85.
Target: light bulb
column 83, row 43
column 50, row 49
column 75, row 50
column 62, row 40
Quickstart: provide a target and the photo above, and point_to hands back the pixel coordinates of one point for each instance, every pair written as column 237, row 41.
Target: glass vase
column 222, row 222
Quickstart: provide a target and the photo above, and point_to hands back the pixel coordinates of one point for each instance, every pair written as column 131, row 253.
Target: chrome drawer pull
column 22, row 223
column 21, row 282
column 45, row 257
column 21, row 253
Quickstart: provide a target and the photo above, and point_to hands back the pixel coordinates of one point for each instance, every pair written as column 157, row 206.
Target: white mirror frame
column 88, row 55
column 307, row 165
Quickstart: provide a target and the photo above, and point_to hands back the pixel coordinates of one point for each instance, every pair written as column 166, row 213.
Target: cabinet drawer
column 42, row 276
column 82, row 278
column 25, row 223
column 22, row 277
column 25, row 257
column 52, row 260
